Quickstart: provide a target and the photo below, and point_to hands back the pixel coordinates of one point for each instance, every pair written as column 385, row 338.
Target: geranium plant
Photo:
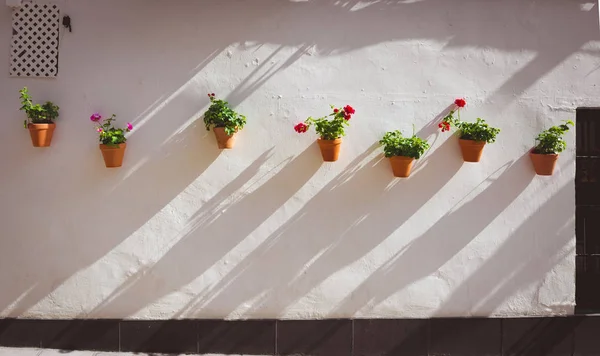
column 109, row 134
column 326, row 128
column 395, row 145
column 472, row 135
column 551, row 141
column 330, row 129
column 549, row 144
column 473, row 131
column 402, row 151
column 36, row 113
column 219, row 114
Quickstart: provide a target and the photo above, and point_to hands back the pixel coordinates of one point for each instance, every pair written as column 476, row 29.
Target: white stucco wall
column 268, row 230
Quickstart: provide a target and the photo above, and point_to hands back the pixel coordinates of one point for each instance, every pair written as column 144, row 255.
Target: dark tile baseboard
column 559, row 336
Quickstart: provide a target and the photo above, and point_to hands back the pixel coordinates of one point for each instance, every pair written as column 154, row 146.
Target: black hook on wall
column 66, row 21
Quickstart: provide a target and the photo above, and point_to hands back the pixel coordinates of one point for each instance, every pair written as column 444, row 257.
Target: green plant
column 329, row 129
column 108, row 134
column 551, row 141
column 36, row 113
column 219, row 114
column 474, row 131
column 477, row 131
column 394, row 144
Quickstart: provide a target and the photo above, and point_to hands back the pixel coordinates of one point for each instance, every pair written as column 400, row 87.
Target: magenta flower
column 96, row 117
column 99, row 129
column 129, row 126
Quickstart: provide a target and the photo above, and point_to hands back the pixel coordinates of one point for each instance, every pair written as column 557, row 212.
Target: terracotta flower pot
column 223, row 139
column 330, row 149
column 41, row 134
column 543, row 163
column 113, row 155
column 471, row 150
column 401, row 166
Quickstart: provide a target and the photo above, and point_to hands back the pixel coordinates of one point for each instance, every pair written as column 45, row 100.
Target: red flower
column 349, row 109
column 209, row 95
column 213, row 94
column 444, row 125
column 460, row 103
column 336, row 110
column 301, row 128
column 347, row 117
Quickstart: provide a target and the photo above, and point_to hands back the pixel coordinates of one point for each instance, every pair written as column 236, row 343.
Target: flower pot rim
column 32, row 125
column 112, row 147
column 542, row 154
column 223, row 128
column 403, row 158
column 335, row 140
column 473, row 141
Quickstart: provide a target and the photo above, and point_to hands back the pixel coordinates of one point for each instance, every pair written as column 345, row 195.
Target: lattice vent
column 34, row 46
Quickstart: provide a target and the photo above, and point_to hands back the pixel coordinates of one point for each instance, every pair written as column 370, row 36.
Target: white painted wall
column 267, row 230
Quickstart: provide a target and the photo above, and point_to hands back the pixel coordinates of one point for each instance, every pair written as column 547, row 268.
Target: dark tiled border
column 362, row 337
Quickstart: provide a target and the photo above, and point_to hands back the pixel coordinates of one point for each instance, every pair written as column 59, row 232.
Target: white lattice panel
column 34, row 46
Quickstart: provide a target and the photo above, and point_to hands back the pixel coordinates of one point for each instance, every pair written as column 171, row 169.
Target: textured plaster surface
column 267, row 230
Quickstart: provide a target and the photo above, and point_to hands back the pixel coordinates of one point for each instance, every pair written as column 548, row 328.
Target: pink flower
column 301, row 128
column 129, row 126
column 99, row 130
column 96, row 117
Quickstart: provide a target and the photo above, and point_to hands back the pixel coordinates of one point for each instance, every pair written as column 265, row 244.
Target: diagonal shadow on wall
column 211, row 234
column 522, row 261
column 167, row 154
column 324, row 239
column 425, row 255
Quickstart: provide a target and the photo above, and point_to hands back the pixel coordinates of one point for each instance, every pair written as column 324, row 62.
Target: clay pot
column 330, row 149
column 113, row 154
column 471, row 150
column 41, row 134
column 223, row 139
column 401, row 166
column 543, row 163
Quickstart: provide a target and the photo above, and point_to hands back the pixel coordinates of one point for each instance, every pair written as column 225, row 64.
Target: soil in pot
column 224, row 141
column 330, row 149
column 471, row 150
column 41, row 134
column 401, row 166
column 543, row 163
column 113, row 155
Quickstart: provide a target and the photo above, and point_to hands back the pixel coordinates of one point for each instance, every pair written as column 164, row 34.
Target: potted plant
column 224, row 121
column 402, row 151
column 330, row 131
column 549, row 144
column 472, row 135
column 40, row 119
column 112, row 140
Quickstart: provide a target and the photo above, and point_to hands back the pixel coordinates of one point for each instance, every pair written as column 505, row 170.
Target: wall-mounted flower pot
column 330, row 149
column 224, row 141
column 41, row 134
column 401, row 166
column 113, row 154
column 471, row 150
column 543, row 164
